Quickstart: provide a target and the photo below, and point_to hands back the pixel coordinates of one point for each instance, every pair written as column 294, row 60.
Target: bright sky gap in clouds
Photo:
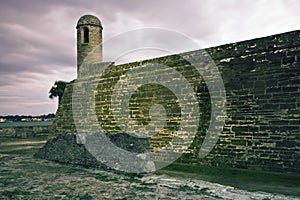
column 38, row 38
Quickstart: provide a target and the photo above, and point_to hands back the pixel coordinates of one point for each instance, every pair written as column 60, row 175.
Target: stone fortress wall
column 262, row 83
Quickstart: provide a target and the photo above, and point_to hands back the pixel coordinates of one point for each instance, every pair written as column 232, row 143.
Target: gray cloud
column 38, row 44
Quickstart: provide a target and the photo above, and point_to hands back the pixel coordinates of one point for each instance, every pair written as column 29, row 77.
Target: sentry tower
column 89, row 36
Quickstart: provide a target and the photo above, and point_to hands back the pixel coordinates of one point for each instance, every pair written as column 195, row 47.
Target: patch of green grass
column 144, row 188
column 250, row 180
column 133, row 178
column 106, row 178
column 85, row 196
column 20, row 145
column 203, row 191
column 65, row 195
column 40, row 138
column 148, row 184
column 14, row 193
column 196, row 190
column 26, row 152
column 185, row 188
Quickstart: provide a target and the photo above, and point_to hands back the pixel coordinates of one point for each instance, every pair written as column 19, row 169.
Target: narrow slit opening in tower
column 86, row 35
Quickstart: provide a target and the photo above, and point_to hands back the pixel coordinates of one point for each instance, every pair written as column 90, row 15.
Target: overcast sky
column 38, row 37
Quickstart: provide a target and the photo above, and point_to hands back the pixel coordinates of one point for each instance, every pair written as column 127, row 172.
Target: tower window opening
column 86, row 38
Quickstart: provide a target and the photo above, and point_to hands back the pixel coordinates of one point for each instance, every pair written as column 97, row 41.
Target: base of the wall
column 65, row 148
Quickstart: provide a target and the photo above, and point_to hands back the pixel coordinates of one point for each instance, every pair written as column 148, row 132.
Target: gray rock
column 65, row 149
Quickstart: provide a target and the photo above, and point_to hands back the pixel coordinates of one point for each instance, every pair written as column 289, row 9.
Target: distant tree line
column 56, row 90
column 17, row 118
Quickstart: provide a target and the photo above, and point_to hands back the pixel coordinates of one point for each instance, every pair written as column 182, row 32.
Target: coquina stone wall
column 262, row 83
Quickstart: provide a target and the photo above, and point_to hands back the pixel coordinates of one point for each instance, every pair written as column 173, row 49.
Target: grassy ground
column 250, row 180
column 24, row 146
